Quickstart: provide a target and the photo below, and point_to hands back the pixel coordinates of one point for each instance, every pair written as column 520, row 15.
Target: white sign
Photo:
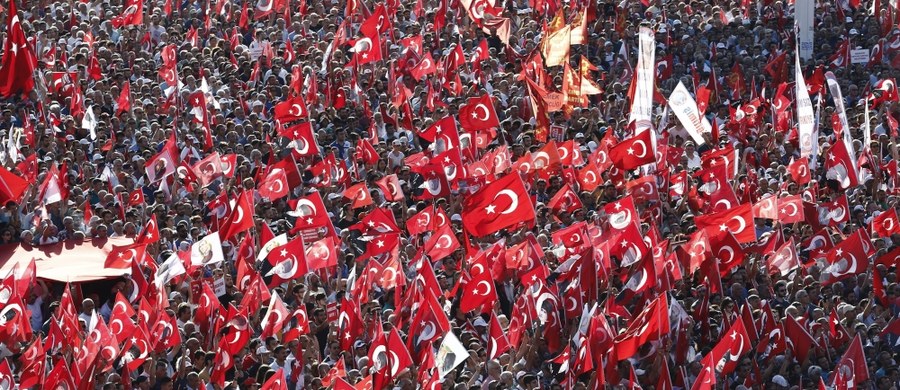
column 219, row 286
column 804, row 13
column 859, row 56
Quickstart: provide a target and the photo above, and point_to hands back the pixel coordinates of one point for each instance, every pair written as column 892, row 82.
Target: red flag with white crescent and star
column 479, row 291
column 18, row 64
column 241, row 217
column 478, row 114
column 498, row 205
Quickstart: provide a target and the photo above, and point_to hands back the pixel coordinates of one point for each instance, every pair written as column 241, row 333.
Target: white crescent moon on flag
column 484, row 109
column 643, row 149
column 514, row 201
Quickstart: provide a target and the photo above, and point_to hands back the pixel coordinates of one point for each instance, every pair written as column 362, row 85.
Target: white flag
column 805, row 116
column 89, row 122
column 642, row 105
column 169, row 269
column 451, row 354
column 685, row 109
column 207, row 251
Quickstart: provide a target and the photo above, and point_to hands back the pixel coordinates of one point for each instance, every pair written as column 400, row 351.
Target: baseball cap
column 780, row 381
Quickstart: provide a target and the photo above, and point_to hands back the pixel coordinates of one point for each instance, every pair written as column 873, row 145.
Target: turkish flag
column 831, row 213
column 498, row 205
column 381, row 244
column 164, row 332
column 839, row 167
column 241, row 217
column 480, row 291
column 59, row 377
column 846, row 259
column 121, row 257
column 430, row 218
column 799, row 170
column 290, row 110
column 208, row 306
column 32, row 362
column 546, row 159
column 229, row 163
column 17, row 68
column 766, row 207
column 800, row 340
column 589, row 177
column 276, row 316
column 390, row 188
column 633, row 152
column 132, row 15
column 852, row 368
column 790, row 209
column 885, row 224
column 837, row 333
column 11, row 186
column 425, row 67
column 643, row 277
column 310, row 212
column 366, row 48
column 123, row 103
column 400, row 358
column 301, row 324
column 321, row 254
column 276, row 382
column 738, row 221
column 650, row 324
column 565, row 200
column 120, row 323
column 379, row 220
column 643, row 189
column 441, row 244
column 136, row 197
column 498, row 343
column 734, row 344
column 784, row 260
column 303, row 140
column 478, row 114
column 359, row 195
column 727, row 251
column 288, row 261
column 274, row 185
column 365, row 152
column 17, row 324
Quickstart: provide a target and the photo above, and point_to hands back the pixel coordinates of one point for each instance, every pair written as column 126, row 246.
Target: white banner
column 867, row 129
column 804, row 15
column 450, row 354
column 685, row 108
column 838, row 98
column 805, row 116
column 642, row 105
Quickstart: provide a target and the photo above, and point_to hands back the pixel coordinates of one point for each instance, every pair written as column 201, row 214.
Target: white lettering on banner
column 805, row 116
column 685, row 108
column 642, row 105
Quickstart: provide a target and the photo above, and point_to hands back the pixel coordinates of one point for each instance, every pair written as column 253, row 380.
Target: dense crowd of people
column 310, row 195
